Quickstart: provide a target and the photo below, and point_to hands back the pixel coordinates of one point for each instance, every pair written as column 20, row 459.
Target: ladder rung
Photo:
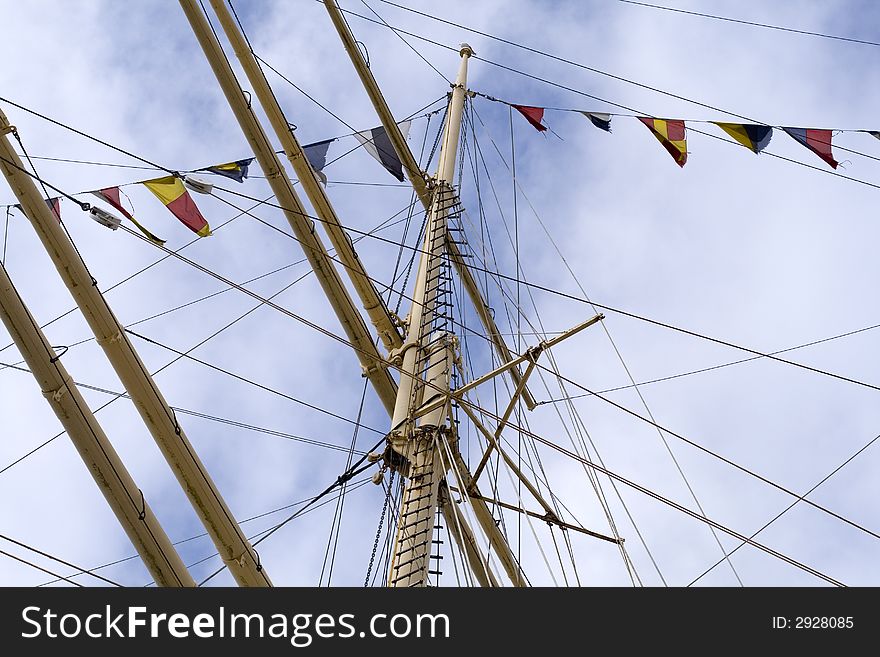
column 420, row 497
column 414, row 523
column 408, row 561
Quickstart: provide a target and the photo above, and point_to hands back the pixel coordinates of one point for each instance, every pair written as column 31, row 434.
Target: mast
column 427, row 355
column 381, row 317
column 372, row 363
column 114, row 481
column 419, row 181
column 230, row 541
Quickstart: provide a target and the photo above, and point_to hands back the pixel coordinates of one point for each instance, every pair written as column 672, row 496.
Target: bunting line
column 671, row 132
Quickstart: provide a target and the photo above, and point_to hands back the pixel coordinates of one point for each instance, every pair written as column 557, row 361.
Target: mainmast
column 427, row 356
column 419, row 181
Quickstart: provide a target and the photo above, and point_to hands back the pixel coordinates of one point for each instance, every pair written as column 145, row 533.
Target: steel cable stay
column 264, row 514
column 408, row 45
column 530, row 465
column 351, row 471
column 463, row 489
column 40, row 568
column 340, row 501
column 793, row 504
column 187, row 354
column 507, row 299
column 540, row 479
column 721, row 458
column 728, row 19
column 646, row 491
column 359, row 484
column 712, row 368
column 207, row 416
column 30, row 548
column 625, row 313
column 608, row 308
column 140, row 271
column 383, row 226
column 520, row 277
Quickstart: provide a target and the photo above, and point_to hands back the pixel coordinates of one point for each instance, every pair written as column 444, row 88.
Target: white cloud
column 754, row 250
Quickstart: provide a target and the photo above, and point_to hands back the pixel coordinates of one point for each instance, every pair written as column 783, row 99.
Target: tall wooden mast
column 420, row 183
column 427, row 355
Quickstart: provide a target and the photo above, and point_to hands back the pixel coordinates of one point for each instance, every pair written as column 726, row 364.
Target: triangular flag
column 752, row 136
column 316, row 154
column 237, row 170
column 818, row 141
column 173, row 194
column 533, row 115
column 55, row 206
column 601, row 121
column 53, row 203
column 377, row 144
column 111, row 195
column 670, row 133
column 874, row 133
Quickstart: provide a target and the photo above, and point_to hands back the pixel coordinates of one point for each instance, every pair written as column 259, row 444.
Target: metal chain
column 379, row 529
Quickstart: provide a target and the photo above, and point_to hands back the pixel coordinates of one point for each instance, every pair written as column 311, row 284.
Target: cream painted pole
column 102, row 461
column 303, row 228
column 419, row 183
column 228, row 538
column 411, row 554
column 376, row 309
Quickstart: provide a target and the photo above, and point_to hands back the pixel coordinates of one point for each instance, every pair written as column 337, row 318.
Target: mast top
column 465, row 50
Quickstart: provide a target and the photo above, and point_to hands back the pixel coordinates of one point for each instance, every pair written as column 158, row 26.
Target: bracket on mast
column 530, row 356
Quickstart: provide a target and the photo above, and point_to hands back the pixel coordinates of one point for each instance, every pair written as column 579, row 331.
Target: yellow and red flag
column 111, row 195
column 670, row 133
column 173, row 194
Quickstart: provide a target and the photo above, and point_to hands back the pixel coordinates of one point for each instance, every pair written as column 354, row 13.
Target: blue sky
column 751, row 249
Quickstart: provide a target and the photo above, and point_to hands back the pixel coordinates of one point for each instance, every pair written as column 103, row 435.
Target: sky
column 758, row 251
